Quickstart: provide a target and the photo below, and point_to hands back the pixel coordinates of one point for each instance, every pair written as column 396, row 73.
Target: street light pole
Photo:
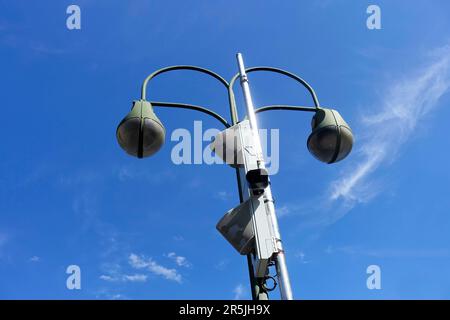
column 141, row 134
column 280, row 259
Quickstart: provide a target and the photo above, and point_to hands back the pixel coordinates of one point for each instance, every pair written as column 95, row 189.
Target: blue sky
column 145, row 229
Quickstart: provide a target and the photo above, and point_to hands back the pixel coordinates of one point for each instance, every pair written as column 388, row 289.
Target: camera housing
column 258, row 179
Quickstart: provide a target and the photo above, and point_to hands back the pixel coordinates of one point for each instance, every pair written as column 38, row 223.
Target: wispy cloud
column 406, row 102
column 124, row 278
column 140, row 262
column 223, row 195
column 178, row 238
column 35, row 259
column 283, row 211
column 108, row 278
column 302, row 257
column 179, row 260
column 135, row 277
column 107, row 294
column 222, row 265
column 239, row 292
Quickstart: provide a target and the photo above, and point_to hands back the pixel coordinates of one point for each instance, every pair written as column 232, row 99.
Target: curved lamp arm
column 179, row 105
column 283, row 72
column 285, row 107
column 181, row 67
column 191, row 107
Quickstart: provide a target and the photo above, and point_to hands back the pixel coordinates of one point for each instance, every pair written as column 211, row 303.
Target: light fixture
column 141, row 133
column 331, row 139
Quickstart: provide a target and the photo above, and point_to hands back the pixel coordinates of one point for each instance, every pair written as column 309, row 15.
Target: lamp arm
column 283, row 72
column 179, row 67
column 231, row 98
column 191, row 107
column 286, row 107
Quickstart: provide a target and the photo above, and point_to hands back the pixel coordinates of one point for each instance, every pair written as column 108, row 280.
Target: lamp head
column 141, row 133
column 331, row 139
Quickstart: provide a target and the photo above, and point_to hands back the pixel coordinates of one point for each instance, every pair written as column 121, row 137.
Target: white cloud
column 106, row 294
column 178, row 238
column 140, row 262
column 137, row 262
column 114, row 277
column 406, row 102
column 223, row 195
column 301, row 256
column 239, row 292
column 222, row 265
column 179, row 260
column 283, row 211
column 380, row 137
column 135, row 278
column 35, row 259
column 113, row 273
column 108, row 278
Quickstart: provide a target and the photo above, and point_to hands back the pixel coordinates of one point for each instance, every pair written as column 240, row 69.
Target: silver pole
column 280, row 259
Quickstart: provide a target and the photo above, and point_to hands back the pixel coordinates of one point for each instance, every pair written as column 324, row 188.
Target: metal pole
column 279, row 259
column 258, row 292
